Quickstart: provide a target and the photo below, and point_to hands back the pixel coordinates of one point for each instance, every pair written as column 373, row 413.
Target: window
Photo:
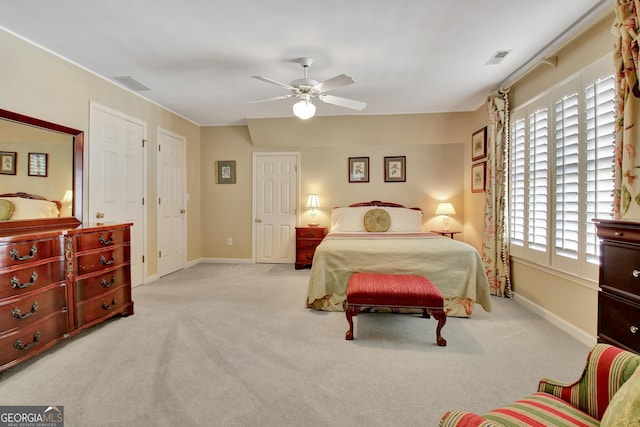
column 560, row 173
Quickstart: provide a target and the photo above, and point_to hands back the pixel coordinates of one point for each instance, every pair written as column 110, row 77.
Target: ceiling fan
column 306, row 89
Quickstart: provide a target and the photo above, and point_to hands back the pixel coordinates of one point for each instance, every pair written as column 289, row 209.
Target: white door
column 275, row 201
column 172, row 222
column 116, row 176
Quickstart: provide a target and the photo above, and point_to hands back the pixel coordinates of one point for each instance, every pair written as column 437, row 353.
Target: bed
column 352, row 245
column 21, row 206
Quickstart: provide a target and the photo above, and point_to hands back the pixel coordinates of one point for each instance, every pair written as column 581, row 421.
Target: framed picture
column 38, row 164
column 358, row 169
column 226, row 172
column 395, row 169
column 479, row 144
column 478, row 173
column 8, row 162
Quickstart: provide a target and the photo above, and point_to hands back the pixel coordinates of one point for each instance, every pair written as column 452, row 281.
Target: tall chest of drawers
column 619, row 296
column 55, row 283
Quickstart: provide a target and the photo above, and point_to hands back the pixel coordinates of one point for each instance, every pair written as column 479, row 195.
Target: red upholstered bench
column 366, row 290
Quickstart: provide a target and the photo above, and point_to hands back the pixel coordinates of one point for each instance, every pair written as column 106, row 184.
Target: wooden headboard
column 32, row 196
column 378, row 203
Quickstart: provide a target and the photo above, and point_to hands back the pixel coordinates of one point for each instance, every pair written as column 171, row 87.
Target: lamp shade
column 445, row 209
column 304, row 109
column 68, row 197
column 313, row 201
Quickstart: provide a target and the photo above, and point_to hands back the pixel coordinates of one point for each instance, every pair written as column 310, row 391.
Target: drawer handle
column 15, row 283
column 636, row 273
column 106, row 242
column 618, row 234
column 14, row 254
column 104, row 261
column 16, row 311
column 633, row 329
column 108, row 307
column 108, row 284
column 19, row 346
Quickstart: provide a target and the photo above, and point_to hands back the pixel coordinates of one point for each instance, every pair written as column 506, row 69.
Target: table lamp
column 445, row 209
column 313, row 202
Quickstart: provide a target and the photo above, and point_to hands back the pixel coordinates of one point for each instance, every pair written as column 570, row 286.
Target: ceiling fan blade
column 275, row 98
column 264, row 79
column 342, row 102
column 333, row 83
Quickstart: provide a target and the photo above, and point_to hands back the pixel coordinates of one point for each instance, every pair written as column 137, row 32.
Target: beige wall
column 36, row 83
column 571, row 300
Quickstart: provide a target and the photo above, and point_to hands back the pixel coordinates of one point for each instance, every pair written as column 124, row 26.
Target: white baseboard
column 226, row 260
column 572, row 330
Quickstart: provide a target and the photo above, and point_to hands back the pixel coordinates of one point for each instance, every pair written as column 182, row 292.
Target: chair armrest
column 465, row 419
column 557, row 388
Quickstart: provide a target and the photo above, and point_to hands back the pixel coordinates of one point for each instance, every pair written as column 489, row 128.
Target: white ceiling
column 198, row 56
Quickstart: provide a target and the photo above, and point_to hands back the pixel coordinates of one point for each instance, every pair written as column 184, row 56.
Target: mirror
column 42, row 159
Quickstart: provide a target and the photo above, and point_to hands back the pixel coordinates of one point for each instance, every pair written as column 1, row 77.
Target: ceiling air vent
column 497, row 57
column 131, row 83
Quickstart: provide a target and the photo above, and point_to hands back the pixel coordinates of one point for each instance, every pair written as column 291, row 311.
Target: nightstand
column 307, row 240
column 445, row 233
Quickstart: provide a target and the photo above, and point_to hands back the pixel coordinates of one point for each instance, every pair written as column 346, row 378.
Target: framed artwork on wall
column 8, row 162
column 479, row 144
column 38, row 164
column 358, row 169
column 395, row 169
column 478, row 174
column 226, row 172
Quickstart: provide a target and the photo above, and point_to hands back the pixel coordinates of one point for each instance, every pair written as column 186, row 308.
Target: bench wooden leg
column 441, row 317
column 350, row 312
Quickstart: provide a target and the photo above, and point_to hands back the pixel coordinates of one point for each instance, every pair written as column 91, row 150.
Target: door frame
column 145, row 138
column 183, row 141
column 257, row 154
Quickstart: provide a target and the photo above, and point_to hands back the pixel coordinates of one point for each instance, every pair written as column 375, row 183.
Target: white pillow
column 352, row 219
column 33, row 209
column 404, row 219
column 348, row 219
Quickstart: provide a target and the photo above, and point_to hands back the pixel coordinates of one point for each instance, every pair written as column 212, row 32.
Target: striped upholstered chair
column 582, row 403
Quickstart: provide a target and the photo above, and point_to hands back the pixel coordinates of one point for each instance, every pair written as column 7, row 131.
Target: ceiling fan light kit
column 304, row 109
column 306, row 89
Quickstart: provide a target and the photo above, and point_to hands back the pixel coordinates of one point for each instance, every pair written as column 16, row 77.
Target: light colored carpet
column 234, row 345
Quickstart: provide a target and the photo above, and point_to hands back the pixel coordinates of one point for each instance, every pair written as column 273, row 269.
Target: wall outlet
column 229, row 241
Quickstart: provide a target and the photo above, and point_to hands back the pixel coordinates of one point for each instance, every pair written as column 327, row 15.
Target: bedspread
column 455, row 267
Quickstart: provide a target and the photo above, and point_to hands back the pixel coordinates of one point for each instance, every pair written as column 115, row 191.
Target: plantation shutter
column 599, row 111
column 517, row 185
column 538, row 180
column 567, row 174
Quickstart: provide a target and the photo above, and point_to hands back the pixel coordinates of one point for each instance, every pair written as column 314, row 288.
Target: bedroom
column 425, row 141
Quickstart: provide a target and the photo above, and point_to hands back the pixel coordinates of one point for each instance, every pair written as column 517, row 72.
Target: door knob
column 99, row 215
column 183, row 210
column 258, row 220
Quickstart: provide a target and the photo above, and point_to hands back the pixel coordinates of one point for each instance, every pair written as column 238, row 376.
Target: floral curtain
column 495, row 250
column 626, row 165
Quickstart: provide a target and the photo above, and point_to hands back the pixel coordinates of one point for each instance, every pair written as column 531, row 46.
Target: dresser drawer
column 17, row 281
column 99, row 260
column 102, row 239
column 619, row 321
column 30, row 308
column 304, row 257
column 21, row 253
column 310, row 232
column 25, row 342
column 102, row 282
column 305, row 244
column 104, row 305
column 620, row 269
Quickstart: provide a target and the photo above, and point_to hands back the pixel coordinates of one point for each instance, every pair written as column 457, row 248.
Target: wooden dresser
column 619, row 296
column 307, row 240
column 56, row 282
